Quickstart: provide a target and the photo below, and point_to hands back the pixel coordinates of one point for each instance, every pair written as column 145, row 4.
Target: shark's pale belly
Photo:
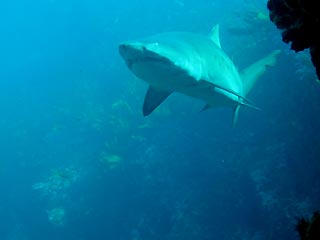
column 173, row 79
column 162, row 76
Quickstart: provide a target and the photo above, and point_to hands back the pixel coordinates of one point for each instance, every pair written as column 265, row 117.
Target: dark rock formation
column 309, row 229
column 299, row 21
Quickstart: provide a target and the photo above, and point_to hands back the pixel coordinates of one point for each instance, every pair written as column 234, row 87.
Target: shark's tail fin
column 252, row 73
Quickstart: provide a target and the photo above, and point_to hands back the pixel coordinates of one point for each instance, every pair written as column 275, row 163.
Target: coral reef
column 56, row 216
column 58, row 181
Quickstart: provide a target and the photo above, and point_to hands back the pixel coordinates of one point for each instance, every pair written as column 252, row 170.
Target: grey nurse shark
column 194, row 65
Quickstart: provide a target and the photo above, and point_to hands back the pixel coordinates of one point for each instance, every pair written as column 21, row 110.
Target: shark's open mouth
column 155, row 59
column 150, row 60
column 139, row 54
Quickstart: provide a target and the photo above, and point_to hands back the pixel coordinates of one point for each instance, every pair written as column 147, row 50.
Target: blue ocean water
column 78, row 161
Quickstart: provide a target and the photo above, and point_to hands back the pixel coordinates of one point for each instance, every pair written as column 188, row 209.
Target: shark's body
column 191, row 64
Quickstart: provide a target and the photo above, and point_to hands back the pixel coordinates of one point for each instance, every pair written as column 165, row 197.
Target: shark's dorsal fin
column 214, row 35
column 154, row 97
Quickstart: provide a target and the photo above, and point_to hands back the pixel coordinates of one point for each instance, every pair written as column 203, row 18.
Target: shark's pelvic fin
column 242, row 100
column 250, row 106
column 252, row 73
column 215, row 36
column 153, row 99
column 235, row 115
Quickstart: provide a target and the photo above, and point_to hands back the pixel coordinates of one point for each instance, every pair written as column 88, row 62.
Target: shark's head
column 140, row 53
column 158, row 59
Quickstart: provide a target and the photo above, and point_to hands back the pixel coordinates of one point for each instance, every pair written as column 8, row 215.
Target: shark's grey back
column 202, row 58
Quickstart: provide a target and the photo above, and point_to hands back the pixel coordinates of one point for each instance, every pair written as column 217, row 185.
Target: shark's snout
column 131, row 51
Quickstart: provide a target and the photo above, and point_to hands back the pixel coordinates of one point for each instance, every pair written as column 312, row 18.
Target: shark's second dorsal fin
column 153, row 99
column 215, row 36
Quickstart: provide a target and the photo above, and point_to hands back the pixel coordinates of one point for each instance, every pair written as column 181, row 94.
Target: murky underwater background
column 78, row 161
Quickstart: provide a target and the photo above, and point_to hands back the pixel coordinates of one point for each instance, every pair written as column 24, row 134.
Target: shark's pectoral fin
column 235, row 115
column 153, row 99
